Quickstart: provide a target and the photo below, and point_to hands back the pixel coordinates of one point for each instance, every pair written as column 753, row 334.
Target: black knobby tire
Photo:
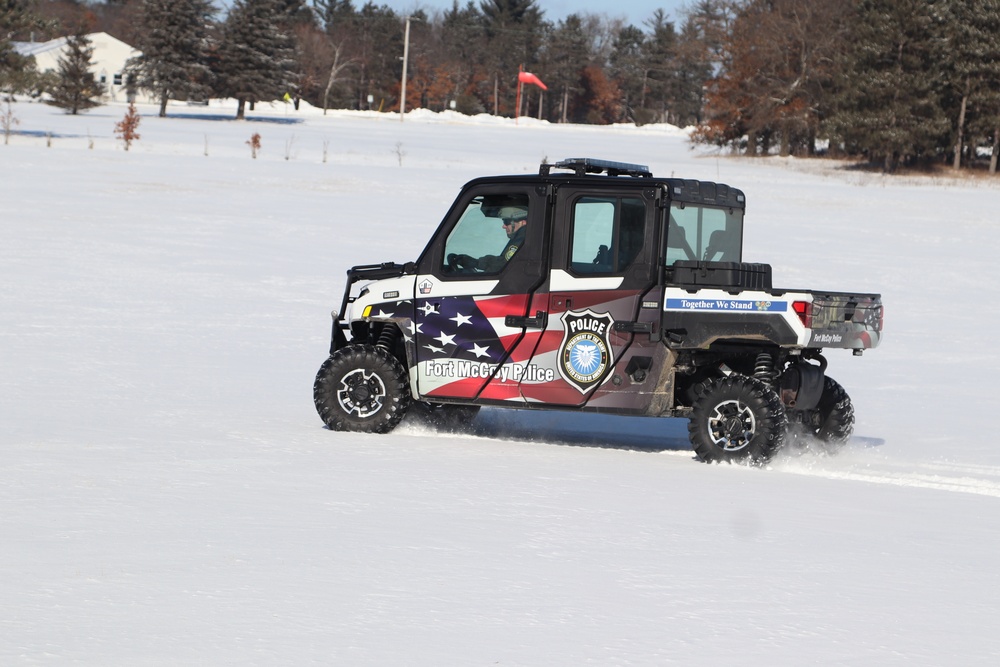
column 361, row 388
column 831, row 422
column 737, row 418
column 444, row 416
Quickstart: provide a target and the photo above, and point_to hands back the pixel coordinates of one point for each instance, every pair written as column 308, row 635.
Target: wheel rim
column 732, row 425
column 361, row 393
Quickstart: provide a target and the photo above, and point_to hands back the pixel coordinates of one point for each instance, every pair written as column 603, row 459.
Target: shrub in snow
column 126, row 129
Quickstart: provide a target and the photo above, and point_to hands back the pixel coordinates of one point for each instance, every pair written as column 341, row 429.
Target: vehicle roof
column 604, row 174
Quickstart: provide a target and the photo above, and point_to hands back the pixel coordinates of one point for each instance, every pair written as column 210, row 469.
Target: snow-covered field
column 168, row 495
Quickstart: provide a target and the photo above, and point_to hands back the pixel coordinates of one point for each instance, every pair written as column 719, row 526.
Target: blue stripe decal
column 728, row 305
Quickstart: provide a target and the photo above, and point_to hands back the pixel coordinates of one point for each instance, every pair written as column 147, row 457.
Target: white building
column 108, row 61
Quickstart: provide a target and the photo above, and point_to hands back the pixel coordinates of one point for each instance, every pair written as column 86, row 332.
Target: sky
column 635, row 11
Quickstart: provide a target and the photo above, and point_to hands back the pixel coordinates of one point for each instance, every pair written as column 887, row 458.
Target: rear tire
column 361, row 388
column 737, row 419
column 831, row 422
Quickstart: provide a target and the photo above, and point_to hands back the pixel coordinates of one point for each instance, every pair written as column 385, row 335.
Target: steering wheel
column 462, row 263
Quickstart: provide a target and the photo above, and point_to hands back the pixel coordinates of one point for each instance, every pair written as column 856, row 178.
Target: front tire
column 737, row 419
column 361, row 388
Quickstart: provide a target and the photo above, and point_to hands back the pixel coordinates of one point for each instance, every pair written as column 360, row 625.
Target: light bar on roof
column 589, row 165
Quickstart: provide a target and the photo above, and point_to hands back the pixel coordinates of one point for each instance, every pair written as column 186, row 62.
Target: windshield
column 704, row 234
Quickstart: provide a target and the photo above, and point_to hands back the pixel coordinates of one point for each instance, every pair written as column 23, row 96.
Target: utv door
column 603, row 262
column 473, row 291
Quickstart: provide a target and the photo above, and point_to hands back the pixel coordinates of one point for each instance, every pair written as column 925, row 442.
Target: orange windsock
column 528, row 77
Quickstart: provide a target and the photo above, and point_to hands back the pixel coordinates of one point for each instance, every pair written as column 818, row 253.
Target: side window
column 607, row 234
column 593, row 234
column 488, row 234
column 701, row 233
column 682, row 234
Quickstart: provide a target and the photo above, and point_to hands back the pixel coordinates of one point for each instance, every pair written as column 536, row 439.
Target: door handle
column 537, row 322
column 638, row 327
column 634, row 327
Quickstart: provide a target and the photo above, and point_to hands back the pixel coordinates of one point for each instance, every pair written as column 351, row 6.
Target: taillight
column 804, row 310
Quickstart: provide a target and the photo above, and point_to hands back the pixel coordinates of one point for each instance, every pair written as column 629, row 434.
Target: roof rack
column 589, row 165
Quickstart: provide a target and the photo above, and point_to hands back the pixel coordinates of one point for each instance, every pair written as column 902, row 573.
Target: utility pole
column 406, row 57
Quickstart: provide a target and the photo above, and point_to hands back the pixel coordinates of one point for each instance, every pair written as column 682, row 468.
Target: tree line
column 895, row 82
column 336, row 54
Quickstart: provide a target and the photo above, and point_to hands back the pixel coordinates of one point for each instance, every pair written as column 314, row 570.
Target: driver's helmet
column 512, row 213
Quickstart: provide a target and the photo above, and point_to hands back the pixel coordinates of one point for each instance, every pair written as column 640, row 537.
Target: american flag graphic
column 463, row 348
column 459, row 341
column 470, row 328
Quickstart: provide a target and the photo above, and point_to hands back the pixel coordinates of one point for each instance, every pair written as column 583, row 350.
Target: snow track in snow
column 983, row 480
column 858, row 462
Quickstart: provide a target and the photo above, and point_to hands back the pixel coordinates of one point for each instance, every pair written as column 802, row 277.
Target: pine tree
column 77, row 87
column 174, row 39
column 256, row 59
column 378, row 47
column 514, row 37
column 16, row 18
column 889, row 103
column 331, row 13
column 693, row 70
column 462, row 36
column 295, row 12
column 972, row 67
column 627, row 67
column 569, row 52
column 13, row 69
column 659, row 52
column 985, row 102
column 698, row 53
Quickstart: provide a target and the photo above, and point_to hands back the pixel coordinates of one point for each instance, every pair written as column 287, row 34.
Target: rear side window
column 704, row 234
column 607, row 234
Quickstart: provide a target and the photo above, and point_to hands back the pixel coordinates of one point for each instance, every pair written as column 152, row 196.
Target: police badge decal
column 586, row 354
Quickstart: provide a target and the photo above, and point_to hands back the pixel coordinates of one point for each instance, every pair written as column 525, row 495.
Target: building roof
column 38, row 48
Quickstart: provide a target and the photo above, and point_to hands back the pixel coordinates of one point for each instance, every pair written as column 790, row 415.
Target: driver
column 515, row 222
